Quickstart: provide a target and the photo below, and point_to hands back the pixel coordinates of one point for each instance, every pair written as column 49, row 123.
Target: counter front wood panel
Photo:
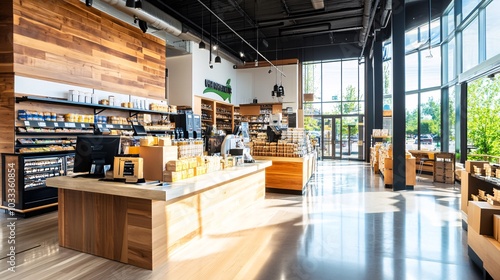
column 289, row 173
column 65, row 41
column 144, row 231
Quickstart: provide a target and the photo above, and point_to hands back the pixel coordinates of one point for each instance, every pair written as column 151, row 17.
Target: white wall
column 187, row 76
column 261, row 84
column 220, row 73
column 180, row 70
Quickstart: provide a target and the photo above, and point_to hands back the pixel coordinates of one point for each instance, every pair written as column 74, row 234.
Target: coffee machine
column 184, row 125
column 236, row 144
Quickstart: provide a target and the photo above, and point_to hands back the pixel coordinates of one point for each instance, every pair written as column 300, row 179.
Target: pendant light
column 217, row 58
column 429, row 55
column 202, row 44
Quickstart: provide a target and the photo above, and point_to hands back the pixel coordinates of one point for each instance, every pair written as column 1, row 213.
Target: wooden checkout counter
column 289, row 173
column 143, row 225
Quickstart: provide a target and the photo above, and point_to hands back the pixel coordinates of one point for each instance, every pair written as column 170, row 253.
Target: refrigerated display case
column 24, row 179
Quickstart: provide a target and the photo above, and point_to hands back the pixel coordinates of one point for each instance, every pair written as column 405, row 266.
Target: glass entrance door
column 342, row 137
column 332, row 138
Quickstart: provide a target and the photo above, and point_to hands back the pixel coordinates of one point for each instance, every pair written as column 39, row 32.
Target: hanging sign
column 224, row 91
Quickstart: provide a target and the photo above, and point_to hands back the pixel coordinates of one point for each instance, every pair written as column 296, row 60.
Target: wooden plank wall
column 6, row 30
column 65, row 41
column 7, row 116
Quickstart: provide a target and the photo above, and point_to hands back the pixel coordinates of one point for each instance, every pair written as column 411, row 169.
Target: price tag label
column 82, row 125
column 26, row 123
column 56, row 124
column 121, row 126
column 99, row 125
column 69, row 125
column 110, row 126
column 42, row 124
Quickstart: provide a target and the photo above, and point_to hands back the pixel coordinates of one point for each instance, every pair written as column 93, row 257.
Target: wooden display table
column 143, row 225
column 428, row 163
column 411, row 176
column 289, row 173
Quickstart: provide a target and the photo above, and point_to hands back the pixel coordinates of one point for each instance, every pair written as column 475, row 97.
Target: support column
column 369, row 105
column 398, row 96
column 378, row 83
column 461, row 112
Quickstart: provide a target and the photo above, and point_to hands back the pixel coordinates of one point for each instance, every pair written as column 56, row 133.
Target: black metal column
column 398, row 96
column 461, row 140
column 445, row 120
column 369, row 106
column 378, row 84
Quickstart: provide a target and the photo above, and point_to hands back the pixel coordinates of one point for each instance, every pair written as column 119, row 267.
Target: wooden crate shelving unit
column 444, row 168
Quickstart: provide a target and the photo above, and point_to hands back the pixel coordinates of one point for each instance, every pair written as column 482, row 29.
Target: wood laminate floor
column 346, row 226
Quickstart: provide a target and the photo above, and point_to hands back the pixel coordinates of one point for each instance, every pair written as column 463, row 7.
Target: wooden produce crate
column 444, row 168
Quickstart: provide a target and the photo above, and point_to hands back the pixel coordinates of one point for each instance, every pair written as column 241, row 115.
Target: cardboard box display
column 470, row 163
column 155, row 160
column 480, row 216
column 164, row 141
column 147, row 141
column 172, row 176
column 174, row 165
column 496, row 227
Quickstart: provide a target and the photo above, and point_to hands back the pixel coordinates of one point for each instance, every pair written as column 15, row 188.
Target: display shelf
column 98, row 108
column 114, row 126
column 28, row 175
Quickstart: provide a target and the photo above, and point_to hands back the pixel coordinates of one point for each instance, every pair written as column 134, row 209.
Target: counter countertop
column 287, row 159
column 153, row 191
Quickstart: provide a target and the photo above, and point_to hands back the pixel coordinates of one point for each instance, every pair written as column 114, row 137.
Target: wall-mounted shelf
column 98, row 108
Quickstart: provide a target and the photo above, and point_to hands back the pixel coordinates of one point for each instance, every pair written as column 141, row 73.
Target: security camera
column 235, row 66
column 211, row 66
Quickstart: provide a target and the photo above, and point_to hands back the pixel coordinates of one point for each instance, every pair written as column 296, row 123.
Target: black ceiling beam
column 339, row 14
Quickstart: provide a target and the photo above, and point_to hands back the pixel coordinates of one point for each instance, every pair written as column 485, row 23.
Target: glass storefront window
column 349, row 80
column 332, row 108
column 411, row 40
column 411, row 121
column 411, row 67
column 450, row 20
column 451, row 119
column 451, row 60
column 430, row 68
column 332, row 86
column 468, row 6
column 430, row 120
column 470, row 46
column 312, row 108
column 492, row 29
column 361, row 76
column 349, row 108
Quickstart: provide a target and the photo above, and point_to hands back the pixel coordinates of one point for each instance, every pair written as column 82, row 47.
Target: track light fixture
column 202, row 44
column 134, row 4
column 142, row 24
column 242, row 39
column 242, row 54
column 88, row 3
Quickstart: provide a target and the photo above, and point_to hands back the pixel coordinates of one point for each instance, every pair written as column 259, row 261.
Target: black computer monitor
column 95, row 154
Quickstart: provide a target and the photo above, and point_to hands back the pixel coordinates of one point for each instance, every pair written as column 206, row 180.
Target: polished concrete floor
column 346, row 226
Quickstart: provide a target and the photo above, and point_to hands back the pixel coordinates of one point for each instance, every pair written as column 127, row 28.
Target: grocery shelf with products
column 258, row 115
column 26, row 174
column 215, row 112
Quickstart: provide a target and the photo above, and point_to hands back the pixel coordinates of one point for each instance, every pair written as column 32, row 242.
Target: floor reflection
column 347, row 225
column 357, row 229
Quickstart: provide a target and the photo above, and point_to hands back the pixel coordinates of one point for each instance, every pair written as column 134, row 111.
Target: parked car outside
column 425, row 139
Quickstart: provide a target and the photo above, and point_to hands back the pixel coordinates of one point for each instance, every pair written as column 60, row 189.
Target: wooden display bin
column 444, row 168
column 287, row 173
